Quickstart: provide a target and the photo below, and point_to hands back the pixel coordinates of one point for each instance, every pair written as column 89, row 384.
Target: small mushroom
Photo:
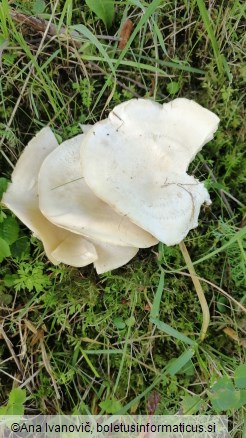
column 142, row 154
column 66, row 200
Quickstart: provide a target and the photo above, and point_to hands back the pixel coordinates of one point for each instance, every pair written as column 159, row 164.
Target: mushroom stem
column 199, row 290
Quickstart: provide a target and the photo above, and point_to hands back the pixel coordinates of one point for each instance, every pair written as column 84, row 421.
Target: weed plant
column 77, row 342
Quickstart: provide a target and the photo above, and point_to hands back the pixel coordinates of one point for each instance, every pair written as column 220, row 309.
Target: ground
column 127, row 340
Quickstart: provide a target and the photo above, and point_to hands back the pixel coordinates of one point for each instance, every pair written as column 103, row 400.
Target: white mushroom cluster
column 120, row 186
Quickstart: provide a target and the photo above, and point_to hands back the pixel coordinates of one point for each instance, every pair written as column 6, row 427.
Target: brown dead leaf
column 38, row 337
column 233, row 335
column 125, row 33
column 147, row 307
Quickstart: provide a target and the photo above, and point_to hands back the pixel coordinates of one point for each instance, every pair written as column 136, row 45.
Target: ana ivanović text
column 109, row 428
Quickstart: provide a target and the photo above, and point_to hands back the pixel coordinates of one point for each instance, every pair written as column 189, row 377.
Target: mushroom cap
column 29, row 162
column 74, row 250
column 66, row 200
column 111, row 257
column 143, row 150
column 21, row 198
column 61, row 246
column 177, row 130
column 85, row 128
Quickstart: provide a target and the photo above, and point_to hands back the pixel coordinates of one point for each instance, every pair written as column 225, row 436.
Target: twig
column 10, row 347
column 199, row 290
column 13, row 355
column 11, row 376
column 232, row 197
column 41, row 25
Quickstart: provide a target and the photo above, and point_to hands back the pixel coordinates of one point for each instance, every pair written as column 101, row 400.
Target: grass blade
column 199, row 290
column 211, row 35
column 172, row 332
column 83, row 30
column 179, row 363
column 157, row 299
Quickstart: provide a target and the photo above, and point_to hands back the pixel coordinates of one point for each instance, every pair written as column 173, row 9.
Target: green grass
column 79, row 342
